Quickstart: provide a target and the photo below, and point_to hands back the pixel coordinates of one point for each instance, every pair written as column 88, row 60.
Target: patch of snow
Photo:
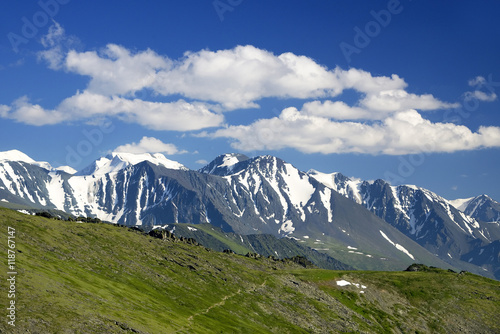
column 4, row 200
column 192, row 228
column 343, row 283
column 302, row 188
column 25, row 212
column 461, row 203
column 398, row 246
column 286, row 227
column 325, row 196
column 347, row 283
column 471, row 221
column 351, row 189
column 55, row 190
column 66, row 169
column 397, row 202
column 14, row 182
column 350, row 247
column 229, row 160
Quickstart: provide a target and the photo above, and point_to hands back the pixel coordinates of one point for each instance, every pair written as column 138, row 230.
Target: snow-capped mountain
column 16, row 155
column 432, row 221
column 223, row 164
column 482, row 208
column 118, row 160
column 346, row 218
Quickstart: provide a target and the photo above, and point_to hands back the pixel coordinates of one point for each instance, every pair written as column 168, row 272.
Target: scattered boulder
column 417, row 267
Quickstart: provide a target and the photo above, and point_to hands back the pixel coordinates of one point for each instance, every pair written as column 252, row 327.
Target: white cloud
column 149, row 145
column 239, row 77
column 4, row 110
column 477, row 94
column 387, row 101
column 337, row 110
column 202, row 162
column 405, row 132
column 116, row 70
column 176, row 116
column 481, row 96
column 234, row 78
column 365, row 82
column 56, row 44
column 477, row 81
column 33, row 114
column 54, row 36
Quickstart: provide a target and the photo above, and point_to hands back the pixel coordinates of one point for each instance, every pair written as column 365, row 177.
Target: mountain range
column 365, row 224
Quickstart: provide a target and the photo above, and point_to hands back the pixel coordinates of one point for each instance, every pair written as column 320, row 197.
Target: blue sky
column 401, row 90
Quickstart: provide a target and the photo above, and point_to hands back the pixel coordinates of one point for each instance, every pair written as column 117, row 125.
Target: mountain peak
column 18, row 156
column 116, row 161
column 15, row 155
column 223, row 163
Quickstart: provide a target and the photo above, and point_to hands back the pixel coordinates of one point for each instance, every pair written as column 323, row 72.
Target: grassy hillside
column 98, row 278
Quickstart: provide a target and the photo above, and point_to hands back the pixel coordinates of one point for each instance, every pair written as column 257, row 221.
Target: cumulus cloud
column 150, row 145
column 396, row 100
column 116, row 70
column 234, row 78
column 365, row 82
column 404, row 132
column 337, row 110
column 176, row 116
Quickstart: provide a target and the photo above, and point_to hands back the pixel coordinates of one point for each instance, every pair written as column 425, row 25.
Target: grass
column 100, row 278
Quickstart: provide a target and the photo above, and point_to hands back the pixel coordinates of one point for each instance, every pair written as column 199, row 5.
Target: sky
column 405, row 91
